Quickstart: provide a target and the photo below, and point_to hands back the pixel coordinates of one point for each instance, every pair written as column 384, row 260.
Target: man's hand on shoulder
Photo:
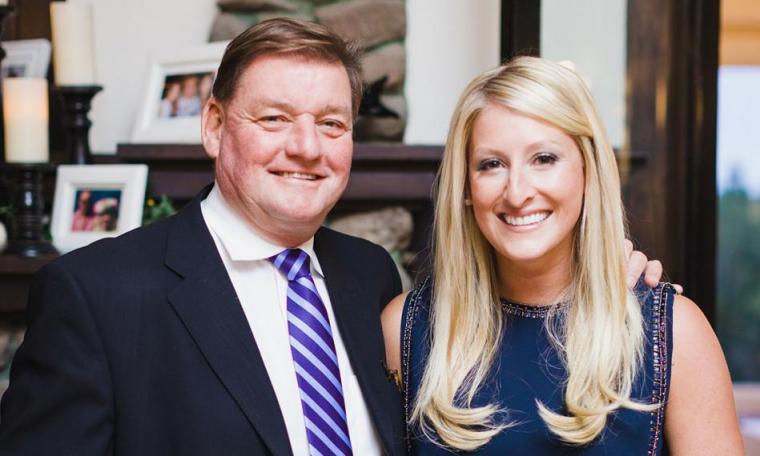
column 638, row 264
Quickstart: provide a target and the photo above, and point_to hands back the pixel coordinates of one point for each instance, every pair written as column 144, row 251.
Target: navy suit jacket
column 138, row 346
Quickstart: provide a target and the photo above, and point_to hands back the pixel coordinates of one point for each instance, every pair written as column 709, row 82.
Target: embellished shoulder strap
column 416, row 300
column 659, row 315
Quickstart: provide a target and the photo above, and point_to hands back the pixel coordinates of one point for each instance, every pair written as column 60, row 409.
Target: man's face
column 283, row 144
column 190, row 87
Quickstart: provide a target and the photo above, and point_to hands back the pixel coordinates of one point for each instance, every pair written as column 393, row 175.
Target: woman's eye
column 489, row 163
column 546, row 159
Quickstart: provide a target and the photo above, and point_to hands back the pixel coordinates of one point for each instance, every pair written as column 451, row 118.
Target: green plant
column 155, row 210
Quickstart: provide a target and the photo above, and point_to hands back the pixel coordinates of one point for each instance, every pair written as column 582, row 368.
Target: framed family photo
column 178, row 86
column 96, row 201
column 26, row 59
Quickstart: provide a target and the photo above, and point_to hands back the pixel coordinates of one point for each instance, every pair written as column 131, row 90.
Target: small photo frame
column 178, row 86
column 26, row 59
column 96, row 201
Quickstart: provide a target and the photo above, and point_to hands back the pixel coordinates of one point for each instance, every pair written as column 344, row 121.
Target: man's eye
column 489, row 163
column 272, row 119
column 333, row 127
column 546, row 159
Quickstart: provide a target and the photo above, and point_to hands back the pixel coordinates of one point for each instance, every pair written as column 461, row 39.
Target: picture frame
column 177, row 86
column 93, row 202
column 26, row 58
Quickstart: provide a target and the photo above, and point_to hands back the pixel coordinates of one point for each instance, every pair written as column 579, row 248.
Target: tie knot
column 293, row 263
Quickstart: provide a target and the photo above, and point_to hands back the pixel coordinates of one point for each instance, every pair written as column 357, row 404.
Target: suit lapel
column 206, row 303
column 355, row 323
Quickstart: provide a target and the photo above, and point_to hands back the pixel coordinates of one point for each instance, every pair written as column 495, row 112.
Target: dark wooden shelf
column 15, row 278
column 381, row 175
column 141, row 153
column 14, row 264
column 363, row 152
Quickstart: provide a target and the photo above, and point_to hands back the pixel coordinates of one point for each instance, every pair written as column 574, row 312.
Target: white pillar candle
column 71, row 26
column 25, row 110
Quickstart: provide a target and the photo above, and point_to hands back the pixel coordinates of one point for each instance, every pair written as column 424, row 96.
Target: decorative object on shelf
column 3, row 237
column 381, row 117
column 157, row 210
column 6, row 215
column 27, row 237
column 76, row 102
column 96, row 201
column 73, row 51
column 26, row 58
column 178, row 85
column 25, row 110
column 371, row 104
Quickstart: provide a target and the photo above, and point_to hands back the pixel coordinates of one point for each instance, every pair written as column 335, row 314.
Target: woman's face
column 526, row 183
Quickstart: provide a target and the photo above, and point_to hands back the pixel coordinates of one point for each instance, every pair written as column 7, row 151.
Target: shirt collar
column 239, row 239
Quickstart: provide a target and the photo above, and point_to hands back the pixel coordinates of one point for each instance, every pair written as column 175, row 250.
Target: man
column 239, row 326
column 176, row 338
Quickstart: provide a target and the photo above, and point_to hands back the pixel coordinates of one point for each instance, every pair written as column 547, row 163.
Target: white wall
column 448, row 43
column 592, row 34
column 127, row 34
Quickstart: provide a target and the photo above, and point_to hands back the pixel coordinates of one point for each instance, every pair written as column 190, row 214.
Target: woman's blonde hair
column 600, row 336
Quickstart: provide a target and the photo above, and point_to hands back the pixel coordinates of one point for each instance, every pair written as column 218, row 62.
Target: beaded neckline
column 526, row 310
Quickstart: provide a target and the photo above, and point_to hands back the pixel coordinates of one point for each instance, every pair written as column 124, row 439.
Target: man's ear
column 212, row 126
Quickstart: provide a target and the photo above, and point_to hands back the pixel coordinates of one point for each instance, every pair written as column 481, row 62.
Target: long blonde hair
column 600, row 337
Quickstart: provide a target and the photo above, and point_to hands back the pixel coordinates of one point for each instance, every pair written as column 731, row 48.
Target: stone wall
column 379, row 26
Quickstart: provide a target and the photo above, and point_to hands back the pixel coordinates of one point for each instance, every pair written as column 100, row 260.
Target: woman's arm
column 391, row 320
column 700, row 418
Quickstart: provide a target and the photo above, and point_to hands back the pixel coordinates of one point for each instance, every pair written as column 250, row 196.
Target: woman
column 526, row 340
column 168, row 106
column 83, row 217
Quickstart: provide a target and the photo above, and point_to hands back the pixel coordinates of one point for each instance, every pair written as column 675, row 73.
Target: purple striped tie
column 314, row 357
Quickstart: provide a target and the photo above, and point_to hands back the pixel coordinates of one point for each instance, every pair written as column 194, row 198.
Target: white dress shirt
column 261, row 290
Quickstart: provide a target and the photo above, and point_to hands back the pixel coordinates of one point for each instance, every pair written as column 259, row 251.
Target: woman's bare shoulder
column 391, row 321
column 700, row 390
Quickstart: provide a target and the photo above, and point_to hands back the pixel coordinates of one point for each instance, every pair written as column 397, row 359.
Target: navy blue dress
column 527, row 369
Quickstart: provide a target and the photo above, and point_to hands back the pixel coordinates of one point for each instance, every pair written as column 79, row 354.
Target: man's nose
column 519, row 188
column 303, row 140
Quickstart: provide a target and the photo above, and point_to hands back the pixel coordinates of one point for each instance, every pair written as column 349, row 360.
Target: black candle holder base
column 26, row 238
column 76, row 102
column 30, row 249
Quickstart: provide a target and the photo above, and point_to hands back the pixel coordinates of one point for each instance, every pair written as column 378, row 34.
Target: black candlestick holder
column 4, row 12
column 76, row 102
column 26, row 237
